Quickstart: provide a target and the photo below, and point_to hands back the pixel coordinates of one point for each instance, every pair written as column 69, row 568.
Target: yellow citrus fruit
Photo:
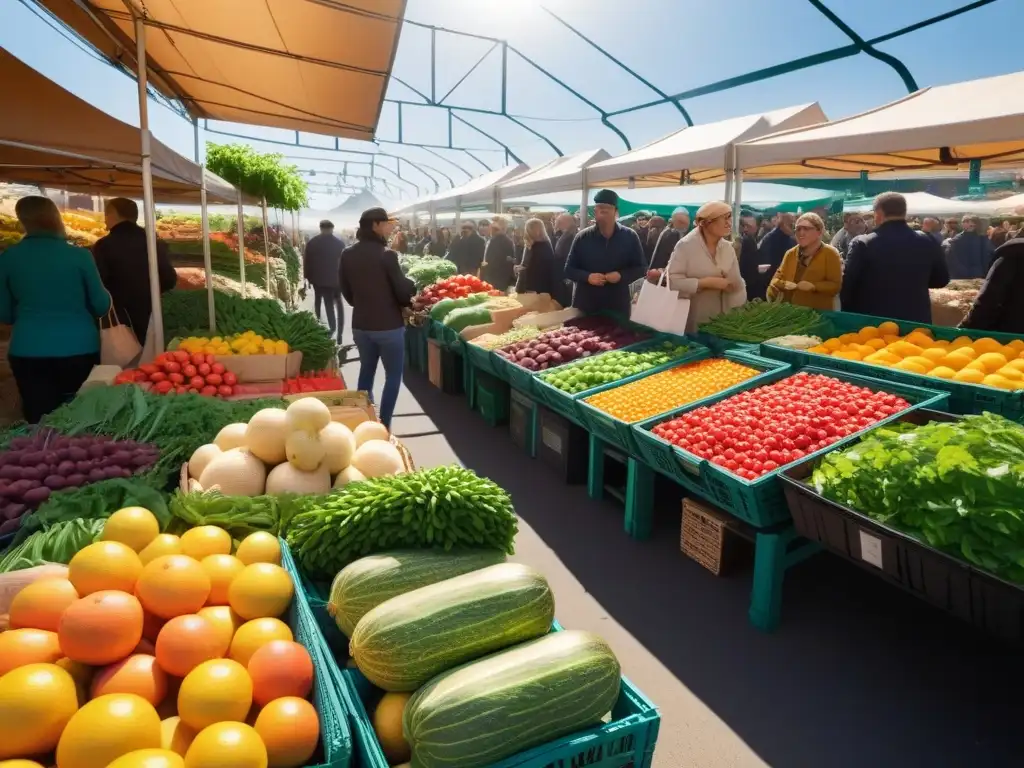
column 164, row 544
column 955, row 360
column 173, row 585
column 387, row 724
column 960, row 342
column 1017, row 364
column 261, row 590
column 204, row 541
column 104, row 565
column 875, row 343
column 970, row 376
column 290, row 730
column 224, row 621
column 869, row 332
column 889, row 328
column 215, row 691
column 992, row 361
column 966, row 352
column 227, row 745
column 135, row 527
column 149, row 758
column 981, row 346
column 1013, row 374
column 919, row 340
column 833, row 344
column 41, row 603
column 36, row 703
column 19, row 764
column 997, row 381
column 922, row 361
column 977, row 365
column 222, row 570
column 934, row 354
column 942, row 372
column 176, row 736
column 253, row 635
column 910, row 366
column 259, row 547
column 107, row 728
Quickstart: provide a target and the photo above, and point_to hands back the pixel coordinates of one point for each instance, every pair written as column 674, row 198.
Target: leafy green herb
column 56, row 543
column 757, row 321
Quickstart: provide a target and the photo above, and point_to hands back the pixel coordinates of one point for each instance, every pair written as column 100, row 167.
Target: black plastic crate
column 563, row 445
column 492, row 398
column 451, row 372
column 952, row 585
column 522, row 422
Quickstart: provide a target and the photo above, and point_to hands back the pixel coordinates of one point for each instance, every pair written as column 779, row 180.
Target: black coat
column 373, row 283
column 500, row 255
column 1000, row 304
column 321, row 260
column 123, row 263
column 467, row 253
column 770, row 251
column 749, row 260
column 888, row 273
column 591, row 253
column 563, row 289
column 663, row 248
column 542, row 272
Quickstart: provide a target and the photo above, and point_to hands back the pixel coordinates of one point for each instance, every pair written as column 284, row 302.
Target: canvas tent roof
column 923, row 204
column 559, row 175
column 319, row 66
column 52, row 138
column 1010, row 205
column 699, row 150
column 947, row 125
column 478, row 191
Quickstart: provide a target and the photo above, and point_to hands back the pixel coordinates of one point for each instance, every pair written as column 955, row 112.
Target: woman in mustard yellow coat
column 811, row 274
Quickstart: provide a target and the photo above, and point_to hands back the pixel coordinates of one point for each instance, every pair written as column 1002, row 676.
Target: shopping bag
column 118, row 345
column 660, row 308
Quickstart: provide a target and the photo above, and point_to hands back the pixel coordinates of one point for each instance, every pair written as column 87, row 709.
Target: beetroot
column 75, row 480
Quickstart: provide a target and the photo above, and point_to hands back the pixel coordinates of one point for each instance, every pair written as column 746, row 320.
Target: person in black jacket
column 540, row 271
column 373, row 283
column 889, row 271
column 499, row 256
column 999, row 306
column 746, row 251
column 320, row 266
column 568, row 226
column 770, row 251
column 467, row 251
column 123, row 263
column 679, row 225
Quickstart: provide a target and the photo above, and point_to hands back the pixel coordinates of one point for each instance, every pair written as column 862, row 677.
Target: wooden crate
column 707, row 535
column 349, row 407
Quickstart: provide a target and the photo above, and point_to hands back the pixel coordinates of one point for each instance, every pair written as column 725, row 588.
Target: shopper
column 998, row 306
column 604, row 259
column 467, row 250
column 747, row 253
column 373, row 283
column 122, row 259
column 499, row 256
column 932, row 227
column 889, row 271
column 540, row 271
column 679, row 225
column 568, row 226
column 51, row 292
column 320, row 266
column 772, row 248
column 398, row 243
column 704, row 269
column 853, row 225
column 811, row 274
column 969, row 253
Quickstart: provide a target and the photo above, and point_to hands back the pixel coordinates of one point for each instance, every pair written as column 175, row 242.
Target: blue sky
column 676, row 44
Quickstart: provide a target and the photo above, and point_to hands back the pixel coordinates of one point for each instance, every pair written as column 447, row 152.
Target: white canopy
column 946, row 125
column 1010, row 206
column 922, row 204
column 699, row 150
column 560, row 175
column 478, row 191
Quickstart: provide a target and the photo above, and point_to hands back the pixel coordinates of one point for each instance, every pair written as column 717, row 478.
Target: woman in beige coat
column 704, row 269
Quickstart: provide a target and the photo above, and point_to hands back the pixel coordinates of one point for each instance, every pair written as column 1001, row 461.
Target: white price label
column 871, row 549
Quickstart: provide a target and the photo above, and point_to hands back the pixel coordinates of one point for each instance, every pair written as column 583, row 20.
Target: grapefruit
column 19, row 647
column 164, row 544
column 36, row 703
column 135, row 527
column 102, row 628
column 259, row 547
column 40, row 604
column 221, row 570
column 185, row 642
column 204, row 541
column 261, row 590
column 290, row 731
column 214, row 692
column 104, row 565
column 107, row 728
column 280, row 668
column 253, row 634
column 224, row 745
column 225, row 622
column 138, row 674
column 173, row 585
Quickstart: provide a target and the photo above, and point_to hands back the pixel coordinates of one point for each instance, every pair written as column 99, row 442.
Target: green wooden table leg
column 531, row 431
column 595, row 469
column 469, row 382
column 769, row 569
column 639, row 499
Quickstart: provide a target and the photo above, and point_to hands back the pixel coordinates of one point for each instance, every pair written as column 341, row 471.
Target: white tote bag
column 660, row 308
column 118, row 345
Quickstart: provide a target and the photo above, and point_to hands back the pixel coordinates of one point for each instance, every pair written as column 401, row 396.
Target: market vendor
column 604, row 259
column 704, row 268
column 810, row 274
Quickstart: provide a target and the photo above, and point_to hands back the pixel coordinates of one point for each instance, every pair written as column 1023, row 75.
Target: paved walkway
column 858, row 675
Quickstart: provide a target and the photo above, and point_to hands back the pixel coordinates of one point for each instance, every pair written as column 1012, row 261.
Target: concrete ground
column 859, row 674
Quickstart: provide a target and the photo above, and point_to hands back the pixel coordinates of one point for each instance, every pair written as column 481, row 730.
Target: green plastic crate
column 621, row 434
column 761, row 502
column 850, row 322
column 492, row 396
column 335, row 734
column 719, row 345
column 481, row 358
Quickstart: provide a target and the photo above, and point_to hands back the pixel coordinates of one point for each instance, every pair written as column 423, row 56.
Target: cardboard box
column 347, row 406
column 255, row 368
column 434, row 362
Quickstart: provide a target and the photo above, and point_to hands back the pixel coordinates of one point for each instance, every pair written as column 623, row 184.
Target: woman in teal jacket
column 51, row 292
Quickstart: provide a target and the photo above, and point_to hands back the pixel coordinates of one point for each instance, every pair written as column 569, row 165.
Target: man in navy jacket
column 888, row 272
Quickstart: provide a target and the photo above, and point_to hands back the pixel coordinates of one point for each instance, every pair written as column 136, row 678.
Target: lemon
column 970, row 376
column 135, row 527
column 942, row 372
column 259, row 547
column 992, row 361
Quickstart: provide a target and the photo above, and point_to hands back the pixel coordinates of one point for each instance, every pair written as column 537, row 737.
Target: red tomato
column 198, row 359
column 176, row 378
column 181, row 390
column 180, row 356
column 197, row 382
column 189, row 371
column 203, row 369
column 141, row 376
column 208, row 391
column 225, row 391
column 163, row 387
column 230, row 378
column 157, row 377
column 162, row 358
column 217, row 368
column 172, row 366
column 148, row 368
column 214, row 378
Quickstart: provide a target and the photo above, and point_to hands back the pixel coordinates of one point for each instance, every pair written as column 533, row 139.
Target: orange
column 992, row 361
column 138, row 674
column 955, row 360
column 204, row 541
column 869, row 332
column 981, row 346
column 997, row 381
column 227, row 745
column 135, row 527
column 259, row 547
column 107, row 728
column 290, row 731
column 910, row 366
column 36, row 703
column 40, row 604
column 151, row 625
column 833, row 344
column 164, row 544
column 922, row 361
column 225, row 622
column 970, row 376
column 185, row 642
column 942, row 372
column 175, row 735
column 261, row 590
column 19, row 647
column 889, row 328
column 253, row 634
column 919, row 339
column 1017, row 364
column 173, row 585
column 20, row 764
column 149, row 758
column 101, row 628
column 934, row 353
column 221, row 570
column 280, row 668
column 216, row 691
column 875, row 343
column 104, row 565
column 81, row 673
column 387, row 725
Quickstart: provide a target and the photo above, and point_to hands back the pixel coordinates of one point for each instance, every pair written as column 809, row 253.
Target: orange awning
column 320, row 66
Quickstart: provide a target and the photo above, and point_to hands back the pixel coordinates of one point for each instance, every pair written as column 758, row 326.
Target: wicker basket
column 706, row 536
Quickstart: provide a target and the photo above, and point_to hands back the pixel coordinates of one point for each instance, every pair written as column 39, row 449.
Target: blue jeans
column 387, row 347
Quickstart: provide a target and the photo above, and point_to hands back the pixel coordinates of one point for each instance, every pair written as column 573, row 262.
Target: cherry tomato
column 157, row 377
column 163, row 387
column 197, row 382
column 208, row 391
column 172, row 366
column 225, row 391
column 188, row 371
column 203, row 369
column 217, row 368
column 215, row 379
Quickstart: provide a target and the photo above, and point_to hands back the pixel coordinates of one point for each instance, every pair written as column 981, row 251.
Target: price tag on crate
column 871, row 549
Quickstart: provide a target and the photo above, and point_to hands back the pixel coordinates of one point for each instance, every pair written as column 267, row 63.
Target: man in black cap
column 320, row 265
column 604, row 259
column 373, row 283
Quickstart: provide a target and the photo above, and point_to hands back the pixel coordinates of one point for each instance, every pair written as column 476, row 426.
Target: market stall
column 924, row 204
column 481, row 191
